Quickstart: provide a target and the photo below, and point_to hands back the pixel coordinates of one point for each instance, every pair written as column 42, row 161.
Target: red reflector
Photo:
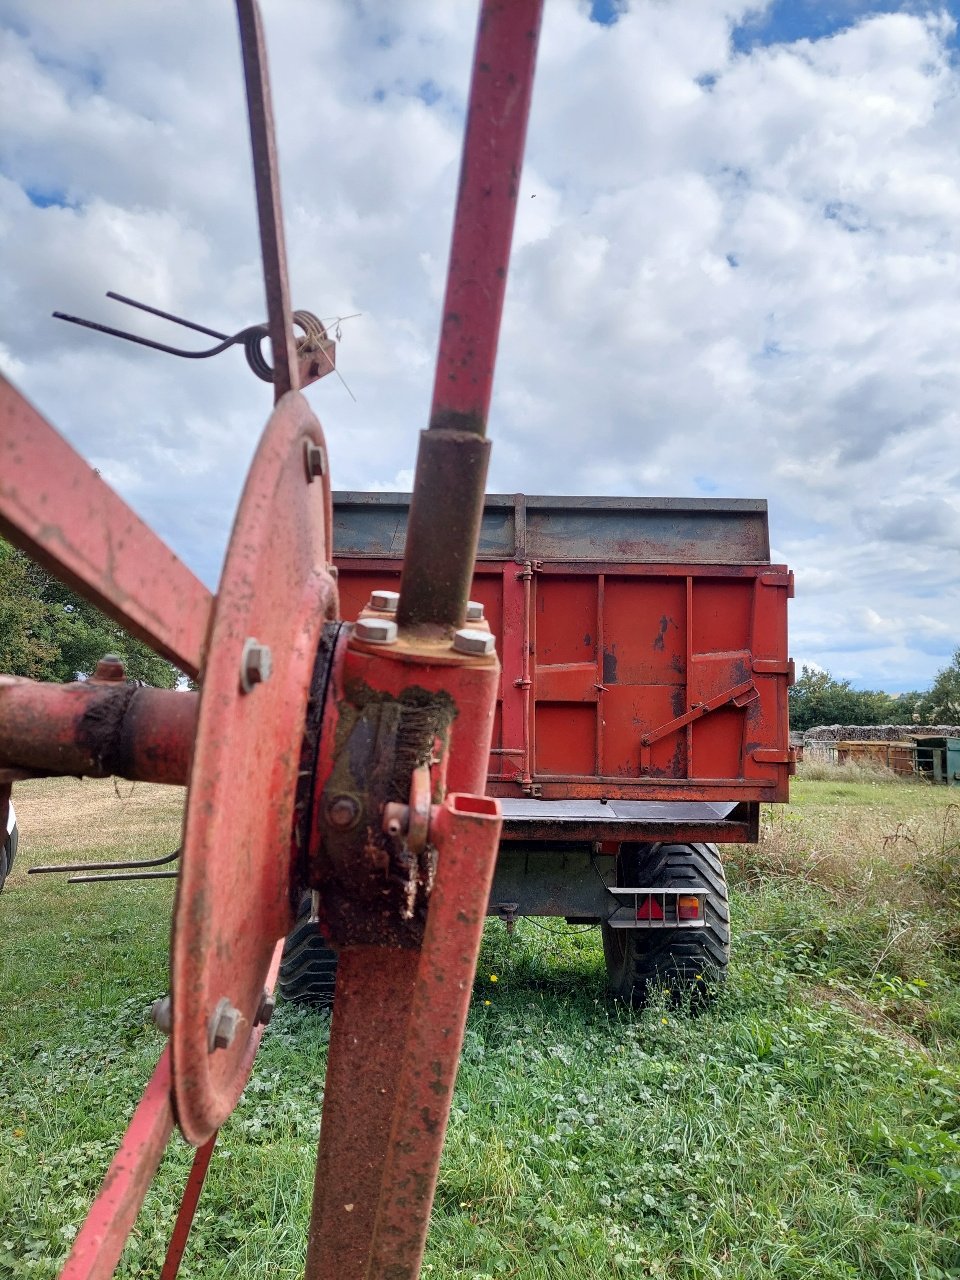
column 649, row 909
column 688, row 907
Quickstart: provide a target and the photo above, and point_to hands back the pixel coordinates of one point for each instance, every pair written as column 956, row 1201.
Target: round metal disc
column 233, row 895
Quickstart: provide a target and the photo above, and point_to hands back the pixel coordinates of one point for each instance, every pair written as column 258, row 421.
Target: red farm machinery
column 359, row 752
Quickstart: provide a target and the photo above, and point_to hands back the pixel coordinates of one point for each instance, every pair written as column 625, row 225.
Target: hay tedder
column 363, row 771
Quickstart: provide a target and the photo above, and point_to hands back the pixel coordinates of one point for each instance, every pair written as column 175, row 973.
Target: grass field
column 806, row 1125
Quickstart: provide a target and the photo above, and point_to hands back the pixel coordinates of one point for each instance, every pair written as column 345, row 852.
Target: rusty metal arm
column 451, row 472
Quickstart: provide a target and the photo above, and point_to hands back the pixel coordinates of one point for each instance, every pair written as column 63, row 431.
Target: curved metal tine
column 57, row 509
column 166, row 315
column 269, row 212
column 130, row 864
column 184, row 352
column 128, row 875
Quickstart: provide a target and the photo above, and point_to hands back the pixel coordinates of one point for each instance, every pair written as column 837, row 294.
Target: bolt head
column 256, row 664
column 376, row 631
column 314, row 459
column 468, row 640
column 223, row 1024
column 385, row 601
column 343, row 811
column 110, row 669
column 161, row 1013
column 474, row 611
column 265, row 1009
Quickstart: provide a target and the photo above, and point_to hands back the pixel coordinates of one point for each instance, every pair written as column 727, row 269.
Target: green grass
column 806, row 1125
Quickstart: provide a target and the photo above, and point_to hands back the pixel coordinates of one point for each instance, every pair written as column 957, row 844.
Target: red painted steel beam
column 99, row 1244
column 57, row 509
column 267, row 182
column 447, row 501
column 96, row 729
column 467, row 834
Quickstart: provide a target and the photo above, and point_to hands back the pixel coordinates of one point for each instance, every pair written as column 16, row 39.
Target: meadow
column 806, row 1124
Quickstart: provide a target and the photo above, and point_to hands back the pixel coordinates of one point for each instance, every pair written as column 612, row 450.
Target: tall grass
column 805, row 1125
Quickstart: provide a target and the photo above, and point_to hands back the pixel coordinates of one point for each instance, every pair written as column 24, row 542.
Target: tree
column 48, row 632
column 942, row 704
column 816, row 698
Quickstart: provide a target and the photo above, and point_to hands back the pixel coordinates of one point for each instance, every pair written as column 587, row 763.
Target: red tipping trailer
column 641, row 712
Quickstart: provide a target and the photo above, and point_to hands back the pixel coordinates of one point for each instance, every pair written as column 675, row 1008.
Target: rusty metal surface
column 391, row 709
column 58, row 510
column 99, row 1243
column 375, row 986
column 266, row 178
column 233, row 898
column 97, row 729
column 449, row 482
column 657, row 682
column 467, row 833
column 703, row 531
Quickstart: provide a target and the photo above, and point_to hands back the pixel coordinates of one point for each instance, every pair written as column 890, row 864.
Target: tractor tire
column 689, row 964
column 308, row 969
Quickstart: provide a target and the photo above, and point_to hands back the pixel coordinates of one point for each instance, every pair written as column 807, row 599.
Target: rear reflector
column 650, row 909
column 688, row 907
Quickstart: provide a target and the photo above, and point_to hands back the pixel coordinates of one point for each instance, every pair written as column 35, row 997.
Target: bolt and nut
column 223, row 1024
column 110, row 669
column 469, row 640
column 343, row 811
column 376, row 631
column 268, row 1002
column 256, row 664
column 385, row 601
column 474, row 611
column 314, row 459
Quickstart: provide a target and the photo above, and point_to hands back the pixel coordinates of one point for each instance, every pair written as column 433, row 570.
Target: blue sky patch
column 785, row 21
column 606, row 12
column 48, row 198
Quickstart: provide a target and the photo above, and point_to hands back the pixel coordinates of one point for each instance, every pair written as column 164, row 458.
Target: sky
column 736, row 269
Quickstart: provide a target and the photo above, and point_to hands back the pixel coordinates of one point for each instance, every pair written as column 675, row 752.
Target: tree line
column 817, row 698
column 48, row 632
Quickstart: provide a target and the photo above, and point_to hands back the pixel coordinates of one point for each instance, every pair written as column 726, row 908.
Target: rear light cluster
column 652, row 908
column 658, row 908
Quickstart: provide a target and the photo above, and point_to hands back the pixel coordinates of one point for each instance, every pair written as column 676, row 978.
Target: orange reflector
column 688, row 907
column 649, row 909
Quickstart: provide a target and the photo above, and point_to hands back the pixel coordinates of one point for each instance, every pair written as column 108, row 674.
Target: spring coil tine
column 251, row 338
column 314, row 333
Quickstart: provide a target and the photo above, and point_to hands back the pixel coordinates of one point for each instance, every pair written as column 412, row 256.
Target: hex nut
column 223, row 1024
column 474, row 611
column 314, row 459
column 265, row 1009
column 386, row 601
column 161, row 1013
column 468, row 640
column 256, row 664
column 376, row 631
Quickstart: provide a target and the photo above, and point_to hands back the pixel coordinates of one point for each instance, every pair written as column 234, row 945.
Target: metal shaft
column 451, row 471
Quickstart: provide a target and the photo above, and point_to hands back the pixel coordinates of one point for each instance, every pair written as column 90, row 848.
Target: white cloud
column 734, row 273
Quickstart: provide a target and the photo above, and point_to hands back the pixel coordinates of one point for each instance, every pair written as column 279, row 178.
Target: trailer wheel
column 689, row 963
column 308, row 969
